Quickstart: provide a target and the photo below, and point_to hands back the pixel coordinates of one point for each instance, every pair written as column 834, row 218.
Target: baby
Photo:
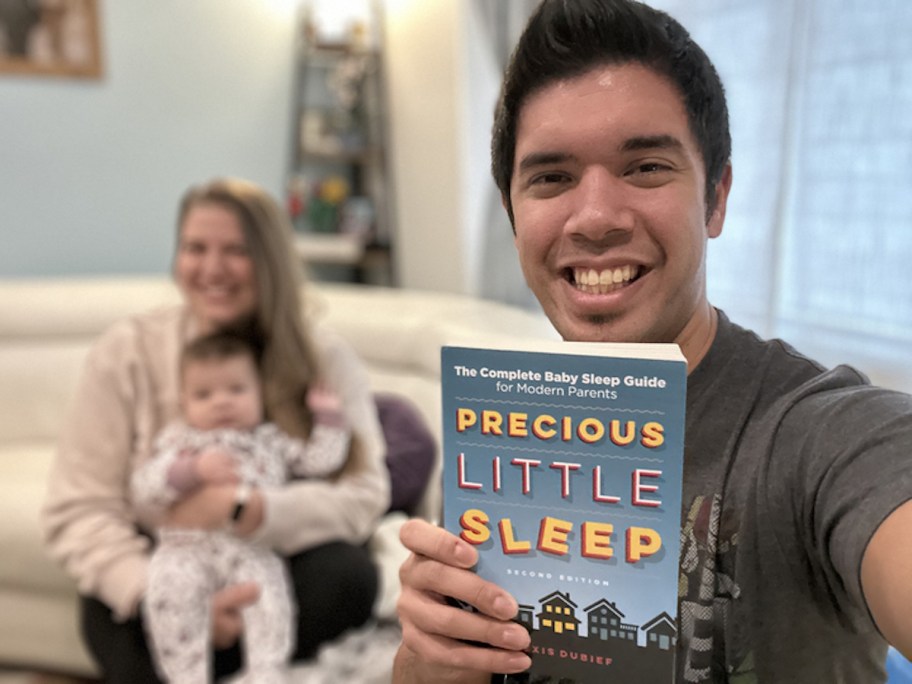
column 223, row 439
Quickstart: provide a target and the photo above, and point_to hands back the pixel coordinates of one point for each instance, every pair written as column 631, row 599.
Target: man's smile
column 603, row 281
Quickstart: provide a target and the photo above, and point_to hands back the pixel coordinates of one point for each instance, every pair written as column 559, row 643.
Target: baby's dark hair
column 219, row 346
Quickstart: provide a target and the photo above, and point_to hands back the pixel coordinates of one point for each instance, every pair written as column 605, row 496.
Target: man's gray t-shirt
column 789, row 470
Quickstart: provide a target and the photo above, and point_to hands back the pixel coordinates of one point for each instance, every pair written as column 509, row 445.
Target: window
column 817, row 242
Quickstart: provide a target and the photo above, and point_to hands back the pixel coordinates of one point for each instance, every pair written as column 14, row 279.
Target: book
column 563, row 466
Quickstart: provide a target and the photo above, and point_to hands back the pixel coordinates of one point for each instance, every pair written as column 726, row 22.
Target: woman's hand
column 227, row 604
column 434, row 633
column 210, row 507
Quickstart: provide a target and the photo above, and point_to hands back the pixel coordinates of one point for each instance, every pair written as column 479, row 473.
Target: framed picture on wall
column 50, row 38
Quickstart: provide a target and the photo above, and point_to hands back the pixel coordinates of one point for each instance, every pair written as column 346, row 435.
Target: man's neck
column 697, row 336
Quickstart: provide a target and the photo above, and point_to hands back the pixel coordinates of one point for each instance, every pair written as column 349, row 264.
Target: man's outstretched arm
column 886, row 578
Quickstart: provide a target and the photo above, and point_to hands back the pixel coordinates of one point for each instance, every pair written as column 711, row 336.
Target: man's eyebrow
column 642, row 142
column 535, row 159
column 651, row 142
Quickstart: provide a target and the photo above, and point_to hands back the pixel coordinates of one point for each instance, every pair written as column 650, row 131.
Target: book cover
column 563, row 466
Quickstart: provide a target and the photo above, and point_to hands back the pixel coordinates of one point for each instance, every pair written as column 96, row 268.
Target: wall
column 91, row 170
column 424, row 43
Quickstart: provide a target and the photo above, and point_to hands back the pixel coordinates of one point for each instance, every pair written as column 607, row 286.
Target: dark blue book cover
column 563, row 466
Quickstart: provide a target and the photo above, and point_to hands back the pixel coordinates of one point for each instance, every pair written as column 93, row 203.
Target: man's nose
column 601, row 209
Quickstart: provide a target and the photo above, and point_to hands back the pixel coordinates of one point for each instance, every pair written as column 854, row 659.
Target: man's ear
column 717, row 217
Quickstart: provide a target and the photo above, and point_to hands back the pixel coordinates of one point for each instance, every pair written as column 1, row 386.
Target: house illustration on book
column 525, row 616
column 604, row 621
column 558, row 614
column 660, row 632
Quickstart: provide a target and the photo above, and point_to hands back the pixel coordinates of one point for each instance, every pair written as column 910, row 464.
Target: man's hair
column 567, row 38
column 218, row 346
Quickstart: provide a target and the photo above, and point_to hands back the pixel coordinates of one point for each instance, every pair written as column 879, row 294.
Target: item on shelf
column 297, row 200
column 323, row 208
column 334, row 25
column 357, row 216
column 339, row 181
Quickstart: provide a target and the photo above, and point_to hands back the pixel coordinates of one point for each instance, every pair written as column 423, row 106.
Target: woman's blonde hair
column 287, row 357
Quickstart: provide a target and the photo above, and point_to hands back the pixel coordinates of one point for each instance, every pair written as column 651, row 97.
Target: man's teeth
column 600, row 282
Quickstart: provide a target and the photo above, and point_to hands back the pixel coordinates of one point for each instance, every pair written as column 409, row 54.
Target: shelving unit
column 339, row 186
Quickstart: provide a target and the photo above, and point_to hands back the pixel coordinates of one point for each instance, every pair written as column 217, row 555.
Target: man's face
column 608, row 199
column 223, row 393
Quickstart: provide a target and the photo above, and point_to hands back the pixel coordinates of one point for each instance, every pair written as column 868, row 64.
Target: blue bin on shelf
column 899, row 670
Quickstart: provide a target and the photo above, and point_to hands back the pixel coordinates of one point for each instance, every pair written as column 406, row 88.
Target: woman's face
column 213, row 268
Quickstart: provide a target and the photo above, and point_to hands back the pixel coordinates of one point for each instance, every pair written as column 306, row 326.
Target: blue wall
column 91, row 170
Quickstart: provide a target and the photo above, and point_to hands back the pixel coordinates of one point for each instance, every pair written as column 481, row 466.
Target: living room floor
column 362, row 656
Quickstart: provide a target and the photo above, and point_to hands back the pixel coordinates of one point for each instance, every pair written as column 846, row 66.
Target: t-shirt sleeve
column 851, row 463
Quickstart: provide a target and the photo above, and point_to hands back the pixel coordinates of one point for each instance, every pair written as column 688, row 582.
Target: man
column 611, row 150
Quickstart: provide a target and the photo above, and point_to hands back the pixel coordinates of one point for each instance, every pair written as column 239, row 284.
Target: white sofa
column 46, row 327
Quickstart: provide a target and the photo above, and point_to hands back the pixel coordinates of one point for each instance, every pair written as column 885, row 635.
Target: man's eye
column 547, row 178
column 649, row 167
column 649, row 174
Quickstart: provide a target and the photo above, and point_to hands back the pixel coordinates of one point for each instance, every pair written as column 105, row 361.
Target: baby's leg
column 268, row 623
column 176, row 611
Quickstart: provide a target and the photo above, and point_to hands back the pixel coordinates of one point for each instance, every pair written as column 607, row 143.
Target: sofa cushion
column 38, row 381
column 23, row 473
column 410, row 450
column 40, row 309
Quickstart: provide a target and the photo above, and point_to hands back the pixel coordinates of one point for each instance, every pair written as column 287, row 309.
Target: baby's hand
column 215, row 466
column 325, row 406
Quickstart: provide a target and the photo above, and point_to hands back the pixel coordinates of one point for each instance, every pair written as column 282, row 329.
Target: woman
column 233, row 266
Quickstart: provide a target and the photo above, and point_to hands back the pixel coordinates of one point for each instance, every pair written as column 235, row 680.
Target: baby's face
column 223, row 393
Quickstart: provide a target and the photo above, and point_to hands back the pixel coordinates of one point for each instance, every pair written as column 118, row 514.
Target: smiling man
column 611, row 150
column 610, row 209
